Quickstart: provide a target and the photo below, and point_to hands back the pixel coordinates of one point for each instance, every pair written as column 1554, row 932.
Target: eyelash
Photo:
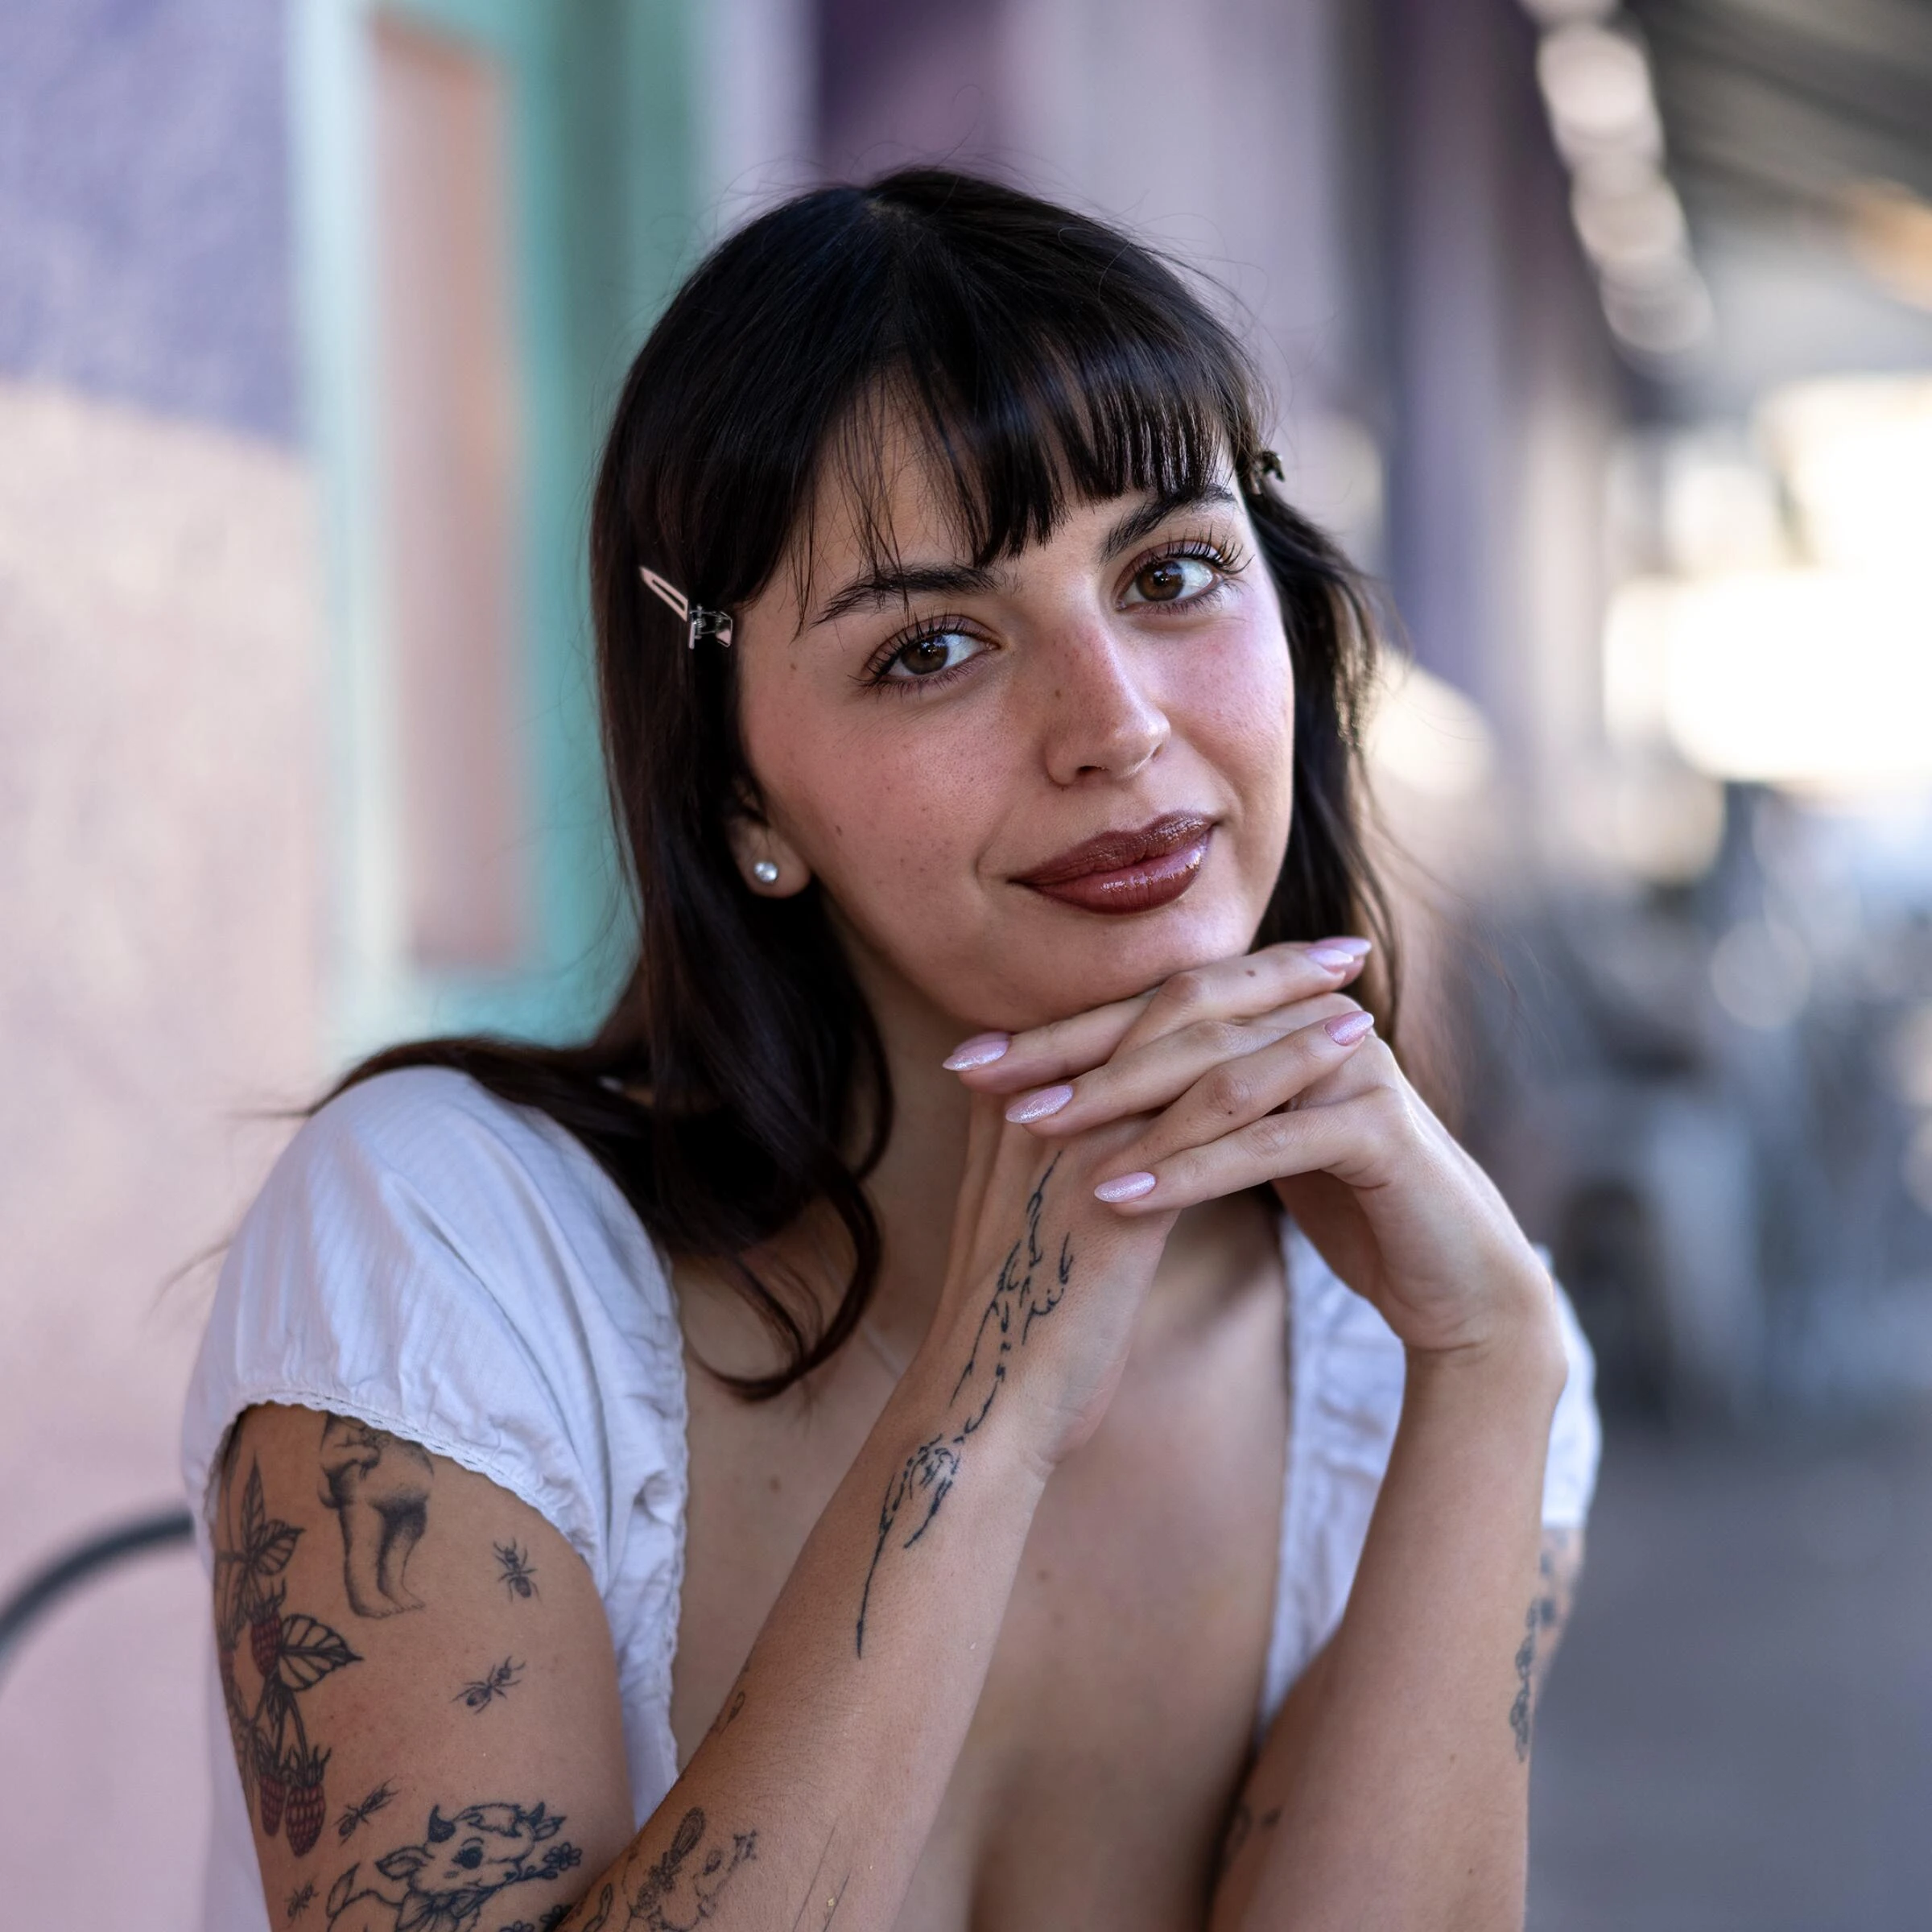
column 1226, row 560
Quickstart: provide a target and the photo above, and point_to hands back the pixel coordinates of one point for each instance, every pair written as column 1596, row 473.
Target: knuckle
column 1184, row 991
column 1228, row 1090
column 1217, row 1039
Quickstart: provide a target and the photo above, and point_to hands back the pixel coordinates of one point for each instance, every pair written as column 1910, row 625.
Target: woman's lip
column 1120, row 851
column 1140, row 887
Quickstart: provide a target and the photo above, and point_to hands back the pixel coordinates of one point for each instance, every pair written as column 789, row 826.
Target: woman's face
column 1031, row 788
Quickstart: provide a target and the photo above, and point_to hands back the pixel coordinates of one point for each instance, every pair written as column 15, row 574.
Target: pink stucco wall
column 161, row 749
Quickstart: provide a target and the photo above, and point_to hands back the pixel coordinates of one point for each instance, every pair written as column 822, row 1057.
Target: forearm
column 815, row 1789
column 1397, row 1790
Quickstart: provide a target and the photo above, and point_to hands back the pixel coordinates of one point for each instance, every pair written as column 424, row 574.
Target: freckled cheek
column 882, row 822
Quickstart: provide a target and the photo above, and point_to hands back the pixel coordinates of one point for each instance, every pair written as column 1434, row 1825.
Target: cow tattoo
column 378, row 1485
column 1031, row 1286
column 443, row 1883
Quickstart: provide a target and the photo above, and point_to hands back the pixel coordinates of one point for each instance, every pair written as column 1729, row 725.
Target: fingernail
column 1037, row 1106
column 1126, row 1187
column 1345, row 1029
column 1355, row 949
column 1336, row 959
column 982, row 1050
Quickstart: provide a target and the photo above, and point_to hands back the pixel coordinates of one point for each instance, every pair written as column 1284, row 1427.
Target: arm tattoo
column 1029, row 1287
column 1542, row 1627
column 515, row 1572
column 299, row 1902
column 378, row 1485
column 282, row 1771
column 1240, row 1828
column 481, row 1692
column 444, row 1880
column 685, row 1886
column 354, row 1816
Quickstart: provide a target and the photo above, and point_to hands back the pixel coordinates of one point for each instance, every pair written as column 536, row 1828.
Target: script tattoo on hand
column 1029, row 1288
column 282, row 1772
column 379, row 1485
column 459, row 1865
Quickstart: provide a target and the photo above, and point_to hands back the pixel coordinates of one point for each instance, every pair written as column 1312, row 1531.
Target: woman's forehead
column 891, row 498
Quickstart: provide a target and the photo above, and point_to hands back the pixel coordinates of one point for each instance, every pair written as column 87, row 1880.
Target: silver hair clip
column 698, row 621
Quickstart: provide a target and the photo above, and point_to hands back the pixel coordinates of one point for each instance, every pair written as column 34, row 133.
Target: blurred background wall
column 1602, row 333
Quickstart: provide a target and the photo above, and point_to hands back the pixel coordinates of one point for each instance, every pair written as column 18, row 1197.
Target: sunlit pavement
column 1739, row 1733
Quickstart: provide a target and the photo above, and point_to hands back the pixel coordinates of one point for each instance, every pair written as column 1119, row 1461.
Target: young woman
column 814, row 1456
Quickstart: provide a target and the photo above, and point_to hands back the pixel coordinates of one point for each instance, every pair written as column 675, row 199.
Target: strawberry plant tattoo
column 484, row 1691
column 281, row 1770
column 1028, row 1289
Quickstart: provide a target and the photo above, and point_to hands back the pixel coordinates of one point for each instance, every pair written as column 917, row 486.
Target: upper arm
column 419, row 1682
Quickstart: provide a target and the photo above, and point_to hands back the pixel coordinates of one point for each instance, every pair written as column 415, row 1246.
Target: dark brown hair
column 1049, row 358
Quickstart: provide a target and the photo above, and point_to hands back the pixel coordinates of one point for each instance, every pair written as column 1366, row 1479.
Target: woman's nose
column 1102, row 718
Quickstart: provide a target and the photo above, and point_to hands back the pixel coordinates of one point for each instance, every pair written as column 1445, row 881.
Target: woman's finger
column 1144, row 1079
column 1236, row 988
column 1353, row 1140
column 1250, row 983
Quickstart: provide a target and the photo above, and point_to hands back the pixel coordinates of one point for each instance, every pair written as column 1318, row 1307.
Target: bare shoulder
column 419, row 1681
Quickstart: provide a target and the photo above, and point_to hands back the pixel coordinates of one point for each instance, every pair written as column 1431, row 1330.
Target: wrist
column 1518, row 1366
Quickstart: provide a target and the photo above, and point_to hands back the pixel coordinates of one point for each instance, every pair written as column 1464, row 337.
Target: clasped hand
column 1263, row 1069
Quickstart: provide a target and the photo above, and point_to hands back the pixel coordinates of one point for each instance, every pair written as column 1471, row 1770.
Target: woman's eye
column 1171, row 580
column 927, row 657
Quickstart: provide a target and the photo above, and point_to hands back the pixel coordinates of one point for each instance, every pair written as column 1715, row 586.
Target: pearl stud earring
column 765, row 872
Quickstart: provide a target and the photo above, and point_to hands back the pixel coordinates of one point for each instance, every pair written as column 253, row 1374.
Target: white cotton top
column 441, row 1264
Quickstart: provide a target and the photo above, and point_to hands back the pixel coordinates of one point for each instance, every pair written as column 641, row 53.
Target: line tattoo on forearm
column 1031, row 1285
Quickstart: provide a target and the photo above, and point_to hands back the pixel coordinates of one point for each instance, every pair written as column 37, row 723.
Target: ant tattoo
column 518, row 1577
column 481, row 1692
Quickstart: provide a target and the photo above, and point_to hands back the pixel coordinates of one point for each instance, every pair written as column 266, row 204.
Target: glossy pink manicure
column 1126, row 1187
column 1355, row 949
column 1037, row 1106
column 1345, row 1029
column 1336, row 959
column 982, row 1050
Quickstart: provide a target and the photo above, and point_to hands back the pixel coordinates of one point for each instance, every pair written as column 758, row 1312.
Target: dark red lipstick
column 1127, row 871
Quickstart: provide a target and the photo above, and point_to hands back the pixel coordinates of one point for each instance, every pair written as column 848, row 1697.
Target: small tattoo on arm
column 1525, row 1668
column 1031, row 1285
column 378, row 1485
column 282, row 1770
column 461, row 1862
column 1240, row 1828
column 685, row 1887
column 300, row 1901
column 515, row 1572
column 481, row 1692
column 355, row 1815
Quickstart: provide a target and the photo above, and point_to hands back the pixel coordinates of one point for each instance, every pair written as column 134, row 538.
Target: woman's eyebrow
column 1157, row 510
column 901, row 583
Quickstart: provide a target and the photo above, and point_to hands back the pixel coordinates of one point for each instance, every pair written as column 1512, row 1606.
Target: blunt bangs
column 1036, row 363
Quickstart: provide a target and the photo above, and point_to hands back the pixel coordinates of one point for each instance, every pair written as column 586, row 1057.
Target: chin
column 1092, row 959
